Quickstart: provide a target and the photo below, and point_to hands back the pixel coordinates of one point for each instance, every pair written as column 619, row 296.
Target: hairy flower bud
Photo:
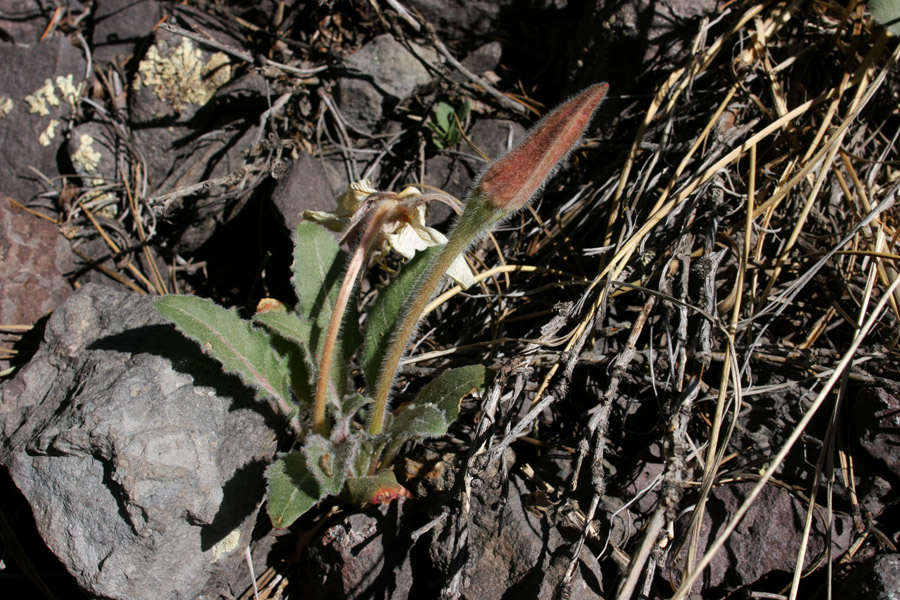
column 511, row 182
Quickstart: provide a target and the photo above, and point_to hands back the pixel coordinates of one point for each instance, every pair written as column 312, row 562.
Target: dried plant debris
column 690, row 335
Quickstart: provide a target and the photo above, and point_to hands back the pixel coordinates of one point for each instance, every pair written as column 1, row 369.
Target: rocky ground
column 683, row 363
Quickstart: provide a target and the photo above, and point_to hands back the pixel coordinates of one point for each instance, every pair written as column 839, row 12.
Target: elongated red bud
column 512, row 181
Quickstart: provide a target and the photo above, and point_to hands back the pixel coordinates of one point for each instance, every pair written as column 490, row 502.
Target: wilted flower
column 404, row 228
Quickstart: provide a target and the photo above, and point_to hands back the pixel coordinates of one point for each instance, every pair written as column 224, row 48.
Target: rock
column 618, row 41
column 142, row 462
column 34, row 262
column 875, row 579
column 462, row 19
column 512, row 552
column 454, row 173
column 120, row 25
column 773, row 523
column 877, row 426
column 381, row 71
column 304, row 187
column 367, row 555
column 23, row 21
column 39, row 87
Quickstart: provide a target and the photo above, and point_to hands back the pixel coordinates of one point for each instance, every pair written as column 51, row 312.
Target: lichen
column 47, row 136
column 70, row 92
column 227, row 545
column 86, row 157
column 6, row 106
column 180, row 77
column 38, row 101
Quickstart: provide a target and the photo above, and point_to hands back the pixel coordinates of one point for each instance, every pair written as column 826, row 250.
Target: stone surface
column 876, row 415
column 765, row 542
column 304, row 187
column 39, row 88
column 142, row 463
column 876, row 579
column 382, row 71
column 23, row 21
column 34, row 262
column 119, row 25
column 454, row 173
column 618, row 41
column 464, row 19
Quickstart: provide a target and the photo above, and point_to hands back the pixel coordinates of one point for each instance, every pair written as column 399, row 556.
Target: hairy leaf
column 318, row 272
column 386, row 310
column 380, row 488
column 241, row 348
column 296, row 330
column 330, row 462
column 448, row 388
column 292, row 489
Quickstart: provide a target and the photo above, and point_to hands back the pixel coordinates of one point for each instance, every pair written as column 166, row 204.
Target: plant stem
column 354, row 266
column 478, row 217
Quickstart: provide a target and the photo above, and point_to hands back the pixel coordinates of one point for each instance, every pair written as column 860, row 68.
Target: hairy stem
column 478, row 218
column 354, row 266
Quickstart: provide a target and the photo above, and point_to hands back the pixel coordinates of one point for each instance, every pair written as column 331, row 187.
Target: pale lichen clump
column 48, row 134
column 180, row 77
column 6, row 106
column 38, row 101
column 86, row 158
column 70, row 92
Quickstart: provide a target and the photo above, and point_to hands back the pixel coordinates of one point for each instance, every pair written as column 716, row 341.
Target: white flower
column 405, row 231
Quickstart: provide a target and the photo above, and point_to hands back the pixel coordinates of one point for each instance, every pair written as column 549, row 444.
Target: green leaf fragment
column 887, row 12
column 380, row 488
column 384, row 313
column 292, row 489
column 241, row 348
column 318, row 271
column 448, row 388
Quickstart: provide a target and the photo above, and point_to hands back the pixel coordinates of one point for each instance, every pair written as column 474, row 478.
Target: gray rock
column 24, row 21
column 878, row 429
column 875, row 579
column 304, row 187
column 142, row 463
column 465, row 19
column 774, row 522
column 382, row 70
column 39, row 86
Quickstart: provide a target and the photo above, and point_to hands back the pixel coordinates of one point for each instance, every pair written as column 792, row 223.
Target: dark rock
column 304, row 187
column 876, row 579
column 366, row 555
column 453, row 172
column 462, row 19
column 382, row 70
column 485, row 58
column 119, row 25
column 618, row 41
column 877, row 421
column 774, row 523
column 512, row 552
column 23, row 21
column 142, row 463
column 39, row 87
column 35, row 261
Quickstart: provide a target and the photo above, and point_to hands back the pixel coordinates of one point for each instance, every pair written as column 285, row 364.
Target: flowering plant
column 300, row 358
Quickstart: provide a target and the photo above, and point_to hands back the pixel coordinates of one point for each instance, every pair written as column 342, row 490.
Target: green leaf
column 293, row 328
column 384, row 313
column 463, row 111
column 292, row 489
column 380, row 488
column 887, row 12
column 448, row 388
column 443, row 116
column 330, row 462
column 318, row 271
column 435, row 408
column 241, row 348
